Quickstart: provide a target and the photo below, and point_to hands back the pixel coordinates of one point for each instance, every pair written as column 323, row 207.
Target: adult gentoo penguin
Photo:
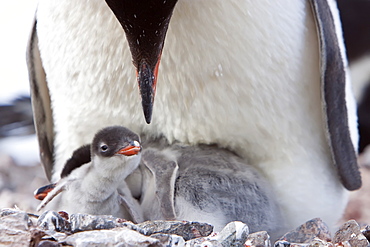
column 266, row 79
column 93, row 178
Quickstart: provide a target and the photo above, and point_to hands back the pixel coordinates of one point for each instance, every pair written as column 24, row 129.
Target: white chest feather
column 240, row 73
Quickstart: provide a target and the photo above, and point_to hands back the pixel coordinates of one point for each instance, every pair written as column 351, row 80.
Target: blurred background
column 20, row 169
column 15, row 25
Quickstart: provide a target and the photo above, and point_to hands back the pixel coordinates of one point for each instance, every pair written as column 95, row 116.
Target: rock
column 54, row 229
column 287, row 244
column 116, row 237
column 36, row 236
column 234, row 234
column 366, row 232
column 203, row 242
column 350, row 232
column 53, row 222
column 14, row 227
column 60, row 222
column 47, row 243
column 258, row 239
column 307, row 232
column 83, row 222
column 187, row 230
column 314, row 243
column 321, row 243
column 169, row 240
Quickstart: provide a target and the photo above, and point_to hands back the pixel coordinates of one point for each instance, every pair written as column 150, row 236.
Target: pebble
column 59, row 229
column 258, row 239
column 306, row 232
column 188, row 230
column 53, row 222
column 350, row 232
column 121, row 236
column 233, row 234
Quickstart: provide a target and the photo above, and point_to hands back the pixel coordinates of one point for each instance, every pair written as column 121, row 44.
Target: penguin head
column 114, row 150
column 116, row 145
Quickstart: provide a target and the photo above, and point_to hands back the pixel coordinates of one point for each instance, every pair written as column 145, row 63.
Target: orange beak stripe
column 130, row 149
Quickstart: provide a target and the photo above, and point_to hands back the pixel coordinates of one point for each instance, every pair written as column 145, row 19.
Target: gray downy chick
column 93, row 178
column 208, row 184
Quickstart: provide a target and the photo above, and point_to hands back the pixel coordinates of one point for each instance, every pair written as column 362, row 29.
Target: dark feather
column 79, row 157
column 334, row 94
column 40, row 103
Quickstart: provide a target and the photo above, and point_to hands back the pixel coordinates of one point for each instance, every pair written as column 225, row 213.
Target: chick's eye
column 104, row 147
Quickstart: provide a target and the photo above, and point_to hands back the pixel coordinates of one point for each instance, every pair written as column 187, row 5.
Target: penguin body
column 93, row 182
column 207, row 184
column 243, row 74
column 202, row 183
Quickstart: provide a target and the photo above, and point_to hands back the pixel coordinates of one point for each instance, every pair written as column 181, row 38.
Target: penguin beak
column 42, row 192
column 145, row 24
column 147, row 80
column 131, row 149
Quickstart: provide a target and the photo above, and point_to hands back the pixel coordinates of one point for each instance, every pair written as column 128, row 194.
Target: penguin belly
column 241, row 74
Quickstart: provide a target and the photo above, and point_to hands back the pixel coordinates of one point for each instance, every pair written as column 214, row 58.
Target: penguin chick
column 207, row 184
column 95, row 184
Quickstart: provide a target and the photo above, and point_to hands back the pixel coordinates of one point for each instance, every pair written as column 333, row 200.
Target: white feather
column 97, row 188
column 241, row 73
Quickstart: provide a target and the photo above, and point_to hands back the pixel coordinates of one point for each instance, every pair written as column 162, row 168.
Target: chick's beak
column 132, row 148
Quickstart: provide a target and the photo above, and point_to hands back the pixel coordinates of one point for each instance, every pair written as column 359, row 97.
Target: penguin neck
column 104, row 176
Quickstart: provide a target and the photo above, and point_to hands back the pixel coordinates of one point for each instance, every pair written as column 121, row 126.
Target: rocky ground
column 19, row 228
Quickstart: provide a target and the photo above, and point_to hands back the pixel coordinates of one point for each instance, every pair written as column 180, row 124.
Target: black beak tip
column 146, row 79
column 148, row 109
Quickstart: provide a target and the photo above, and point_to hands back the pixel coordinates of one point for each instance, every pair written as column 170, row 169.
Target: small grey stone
column 350, row 231
column 258, row 239
column 114, row 237
column 321, row 243
column 47, row 243
column 187, row 230
column 36, row 236
column 51, row 221
column 314, row 243
column 8, row 211
column 287, row 244
column 15, row 218
column 55, row 236
column 169, row 240
column 83, row 222
column 234, row 234
column 305, row 233
column 203, row 242
column 282, row 243
column 366, row 232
